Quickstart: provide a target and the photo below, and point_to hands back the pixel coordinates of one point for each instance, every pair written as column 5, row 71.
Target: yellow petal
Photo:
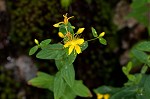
column 66, row 18
column 78, row 49
column 60, row 34
column 99, row 96
column 67, row 44
column 65, row 15
column 65, row 21
column 106, row 96
column 80, row 30
column 71, row 49
column 70, row 17
column 102, row 34
column 57, row 24
column 79, row 41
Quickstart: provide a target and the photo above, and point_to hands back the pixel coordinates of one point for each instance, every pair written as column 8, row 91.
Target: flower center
column 73, row 42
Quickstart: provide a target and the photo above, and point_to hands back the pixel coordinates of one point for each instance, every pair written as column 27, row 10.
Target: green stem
column 66, row 28
column 93, row 39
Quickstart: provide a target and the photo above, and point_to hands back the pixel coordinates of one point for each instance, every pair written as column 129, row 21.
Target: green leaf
column 127, row 69
column 53, row 51
column 42, row 80
column 84, row 46
column 125, row 93
column 129, row 66
column 134, row 80
column 131, row 77
column 141, row 96
column 33, row 50
column 57, row 46
column 139, row 13
column 59, row 63
column 66, row 60
column 59, row 86
column 139, row 10
column 147, row 87
column 70, row 28
column 138, row 78
column 68, row 74
column 143, row 79
column 68, row 94
column 143, row 46
column 45, row 43
column 102, row 41
column 69, row 59
column 94, row 32
column 139, row 55
column 62, row 29
column 138, row 3
column 81, row 90
column 144, row 69
column 106, row 90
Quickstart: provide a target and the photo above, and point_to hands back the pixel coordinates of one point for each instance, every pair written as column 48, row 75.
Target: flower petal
column 106, row 96
column 66, row 18
column 71, row 49
column 79, row 41
column 78, row 49
column 57, row 24
column 67, row 44
column 99, row 96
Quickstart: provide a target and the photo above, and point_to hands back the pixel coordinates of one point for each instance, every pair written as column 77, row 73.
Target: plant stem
column 93, row 39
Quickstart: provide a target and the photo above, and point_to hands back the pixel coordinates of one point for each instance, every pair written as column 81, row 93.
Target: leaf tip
column 90, row 94
column 29, row 82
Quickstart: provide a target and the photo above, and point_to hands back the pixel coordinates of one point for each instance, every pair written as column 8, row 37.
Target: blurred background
column 22, row 21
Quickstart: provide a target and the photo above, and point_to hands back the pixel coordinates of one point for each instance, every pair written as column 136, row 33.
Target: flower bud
column 80, row 30
column 60, row 34
column 36, row 41
column 56, row 25
column 102, row 34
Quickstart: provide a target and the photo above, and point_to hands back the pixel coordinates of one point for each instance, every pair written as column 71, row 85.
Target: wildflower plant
column 63, row 83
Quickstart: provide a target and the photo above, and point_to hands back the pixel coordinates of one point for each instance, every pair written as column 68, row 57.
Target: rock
column 23, row 66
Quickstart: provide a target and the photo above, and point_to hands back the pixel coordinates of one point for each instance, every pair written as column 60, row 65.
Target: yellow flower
column 65, row 21
column 80, row 30
column 103, row 96
column 102, row 34
column 106, row 96
column 66, row 18
column 61, row 34
column 74, row 45
column 99, row 96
